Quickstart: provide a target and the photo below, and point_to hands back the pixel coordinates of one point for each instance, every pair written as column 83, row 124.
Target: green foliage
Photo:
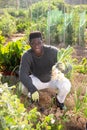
column 10, row 55
column 21, row 13
column 13, row 115
column 22, row 20
column 64, row 54
column 39, row 10
column 21, row 25
column 7, row 25
column 69, row 35
column 11, row 109
column 67, row 29
column 85, row 36
column 81, row 67
column 56, row 29
column 80, row 104
column 41, row 28
column 84, row 109
column 2, row 39
column 12, row 12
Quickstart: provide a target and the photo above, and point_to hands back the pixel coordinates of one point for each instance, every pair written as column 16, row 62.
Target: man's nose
column 37, row 44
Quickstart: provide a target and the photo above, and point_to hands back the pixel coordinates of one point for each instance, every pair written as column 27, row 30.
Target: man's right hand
column 35, row 96
column 61, row 66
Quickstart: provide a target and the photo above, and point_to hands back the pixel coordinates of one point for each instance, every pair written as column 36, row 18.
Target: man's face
column 37, row 46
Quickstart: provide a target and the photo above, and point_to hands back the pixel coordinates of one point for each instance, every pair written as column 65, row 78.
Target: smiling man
column 35, row 70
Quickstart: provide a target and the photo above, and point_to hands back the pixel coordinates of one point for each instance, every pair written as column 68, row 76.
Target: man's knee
column 67, row 86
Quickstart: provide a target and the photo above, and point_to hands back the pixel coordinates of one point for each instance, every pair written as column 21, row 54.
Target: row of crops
column 61, row 23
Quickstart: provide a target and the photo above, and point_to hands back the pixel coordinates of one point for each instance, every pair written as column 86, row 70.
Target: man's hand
column 68, row 68
column 35, row 96
column 61, row 66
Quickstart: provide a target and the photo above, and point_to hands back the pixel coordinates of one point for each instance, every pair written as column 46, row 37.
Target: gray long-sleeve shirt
column 38, row 66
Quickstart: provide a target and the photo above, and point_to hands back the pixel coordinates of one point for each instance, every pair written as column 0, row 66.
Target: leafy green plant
column 7, row 25
column 10, row 54
column 21, row 13
column 14, row 116
column 77, row 100
column 80, row 104
column 65, row 56
column 69, row 34
column 21, row 27
column 13, row 13
column 2, row 38
column 84, row 108
column 21, row 24
column 81, row 67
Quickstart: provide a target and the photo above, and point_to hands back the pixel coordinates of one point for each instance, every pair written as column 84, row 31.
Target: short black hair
column 35, row 34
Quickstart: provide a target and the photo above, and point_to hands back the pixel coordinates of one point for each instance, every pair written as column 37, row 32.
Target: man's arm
column 24, row 73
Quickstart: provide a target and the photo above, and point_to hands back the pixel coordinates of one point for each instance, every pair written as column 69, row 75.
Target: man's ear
column 30, row 43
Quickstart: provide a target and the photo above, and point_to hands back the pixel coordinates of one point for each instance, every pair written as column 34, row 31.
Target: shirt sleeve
column 24, row 73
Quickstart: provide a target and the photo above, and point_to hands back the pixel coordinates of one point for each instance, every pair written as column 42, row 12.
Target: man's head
column 36, row 34
column 36, row 44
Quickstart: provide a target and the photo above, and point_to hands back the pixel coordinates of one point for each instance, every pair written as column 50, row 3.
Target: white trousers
column 63, row 87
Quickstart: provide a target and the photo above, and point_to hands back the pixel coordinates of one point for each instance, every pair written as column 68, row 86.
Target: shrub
column 22, row 25
column 21, row 13
column 7, row 25
column 13, row 13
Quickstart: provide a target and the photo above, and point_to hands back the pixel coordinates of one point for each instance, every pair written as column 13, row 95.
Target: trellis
column 67, row 21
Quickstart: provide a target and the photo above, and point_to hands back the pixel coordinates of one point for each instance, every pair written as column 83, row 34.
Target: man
column 35, row 70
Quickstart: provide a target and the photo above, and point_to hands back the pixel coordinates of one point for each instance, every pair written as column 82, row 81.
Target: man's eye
column 34, row 44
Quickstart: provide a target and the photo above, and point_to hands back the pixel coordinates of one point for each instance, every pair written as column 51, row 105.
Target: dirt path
column 15, row 37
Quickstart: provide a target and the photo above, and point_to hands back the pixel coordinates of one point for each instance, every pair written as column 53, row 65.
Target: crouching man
column 35, row 70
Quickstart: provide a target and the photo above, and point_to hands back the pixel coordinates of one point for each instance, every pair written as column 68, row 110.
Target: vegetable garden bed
column 75, row 117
